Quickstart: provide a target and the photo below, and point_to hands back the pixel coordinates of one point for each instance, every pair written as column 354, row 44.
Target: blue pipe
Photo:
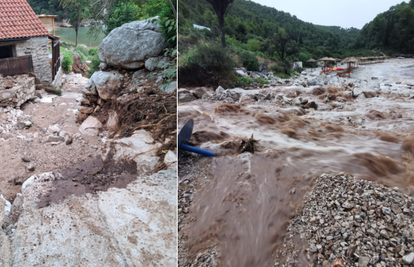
column 198, row 150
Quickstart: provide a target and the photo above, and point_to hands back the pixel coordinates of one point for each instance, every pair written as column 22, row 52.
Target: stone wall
column 19, row 94
column 38, row 48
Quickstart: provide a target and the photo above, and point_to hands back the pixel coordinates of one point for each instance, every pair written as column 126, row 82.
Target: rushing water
column 246, row 202
column 68, row 35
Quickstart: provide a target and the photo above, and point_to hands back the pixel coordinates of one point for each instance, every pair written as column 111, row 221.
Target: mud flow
column 234, row 209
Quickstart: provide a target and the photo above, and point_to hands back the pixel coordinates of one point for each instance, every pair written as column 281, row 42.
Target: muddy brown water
column 247, row 201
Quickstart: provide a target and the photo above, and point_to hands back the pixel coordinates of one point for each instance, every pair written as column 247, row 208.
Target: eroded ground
column 89, row 200
column 234, row 209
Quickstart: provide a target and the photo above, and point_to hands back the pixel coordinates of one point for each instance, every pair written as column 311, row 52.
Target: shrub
column 249, row 61
column 94, row 65
column 262, row 80
column 123, row 13
column 242, row 82
column 283, row 75
column 67, row 60
column 93, row 52
column 253, row 45
column 168, row 24
column 205, row 63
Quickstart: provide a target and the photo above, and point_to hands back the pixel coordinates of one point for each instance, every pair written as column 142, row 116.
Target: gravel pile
column 352, row 222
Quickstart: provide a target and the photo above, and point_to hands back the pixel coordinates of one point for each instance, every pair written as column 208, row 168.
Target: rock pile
column 12, row 119
column 358, row 222
column 119, row 72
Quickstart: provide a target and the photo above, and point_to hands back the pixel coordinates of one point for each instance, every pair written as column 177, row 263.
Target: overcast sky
column 344, row 13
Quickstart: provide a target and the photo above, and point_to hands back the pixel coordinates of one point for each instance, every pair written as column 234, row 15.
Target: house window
column 6, row 51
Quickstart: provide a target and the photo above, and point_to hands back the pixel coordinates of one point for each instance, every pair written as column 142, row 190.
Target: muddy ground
column 234, row 209
column 93, row 207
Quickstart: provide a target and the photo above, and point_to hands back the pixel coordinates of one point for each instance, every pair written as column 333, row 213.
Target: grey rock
column 219, row 90
column 107, row 84
column 170, row 87
column 185, row 96
column 131, row 44
column 55, row 138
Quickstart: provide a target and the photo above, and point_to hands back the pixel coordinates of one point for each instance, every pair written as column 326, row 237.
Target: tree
column 282, row 40
column 79, row 10
column 123, row 13
column 221, row 7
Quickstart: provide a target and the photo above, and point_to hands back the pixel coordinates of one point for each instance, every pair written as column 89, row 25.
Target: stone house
column 24, row 44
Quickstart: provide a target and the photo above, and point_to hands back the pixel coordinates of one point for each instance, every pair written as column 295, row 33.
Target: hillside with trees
column 391, row 31
column 254, row 33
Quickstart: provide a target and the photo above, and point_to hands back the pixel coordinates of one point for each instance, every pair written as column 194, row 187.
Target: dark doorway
column 6, row 51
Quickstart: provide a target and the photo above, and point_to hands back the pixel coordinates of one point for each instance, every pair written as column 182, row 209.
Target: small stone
column 347, row 205
column 408, row 259
column 31, row 167
column 17, row 181
column 363, row 261
column 386, row 211
column 25, row 159
column 384, row 234
column 55, row 138
column 313, row 248
column 292, row 191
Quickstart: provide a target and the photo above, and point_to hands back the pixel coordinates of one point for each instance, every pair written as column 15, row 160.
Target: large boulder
column 107, row 84
column 130, row 45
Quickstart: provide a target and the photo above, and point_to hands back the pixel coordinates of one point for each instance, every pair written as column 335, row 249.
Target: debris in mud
column 206, row 136
column 377, row 231
column 227, row 108
column 408, row 143
column 248, row 145
column 380, row 165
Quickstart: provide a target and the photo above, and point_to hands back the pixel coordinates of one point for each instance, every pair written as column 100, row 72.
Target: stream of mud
column 244, row 202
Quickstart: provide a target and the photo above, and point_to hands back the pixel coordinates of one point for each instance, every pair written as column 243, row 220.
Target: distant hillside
column 392, row 30
column 48, row 7
column 249, row 20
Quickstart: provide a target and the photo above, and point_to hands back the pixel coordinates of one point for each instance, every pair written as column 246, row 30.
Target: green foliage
column 67, row 60
column 242, row 82
column 205, row 63
column 262, row 80
column 93, row 52
column 249, row 61
column 57, row 92
column 391, row 30
column 168, row 24
column 124, row 12
column 209, row 57
column 48, row 7
column 253, row 45
column 283, row 75
column 94, row 65
column 82, row 52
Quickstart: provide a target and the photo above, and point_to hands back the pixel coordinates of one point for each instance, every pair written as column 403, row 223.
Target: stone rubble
column 361, row 222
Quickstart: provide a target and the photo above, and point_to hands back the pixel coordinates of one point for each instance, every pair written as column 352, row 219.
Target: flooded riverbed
column 241, row 203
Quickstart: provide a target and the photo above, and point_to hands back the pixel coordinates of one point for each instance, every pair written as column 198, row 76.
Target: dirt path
column 83, row 208
column 235, row 208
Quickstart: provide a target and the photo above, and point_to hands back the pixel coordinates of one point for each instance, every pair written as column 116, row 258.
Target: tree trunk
column 173, row 9
column 223, row 35
column 77, row 31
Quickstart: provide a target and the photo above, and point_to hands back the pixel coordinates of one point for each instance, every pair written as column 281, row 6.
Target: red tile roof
column 18, row 20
